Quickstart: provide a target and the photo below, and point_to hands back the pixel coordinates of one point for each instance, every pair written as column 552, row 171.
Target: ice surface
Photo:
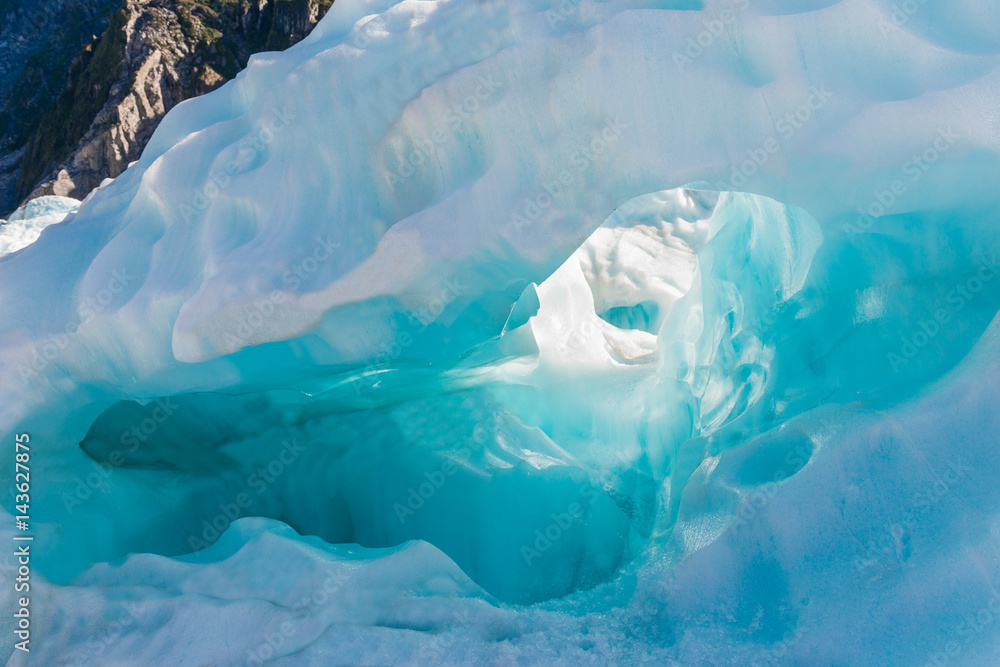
column 26, row 223
column 431, row 340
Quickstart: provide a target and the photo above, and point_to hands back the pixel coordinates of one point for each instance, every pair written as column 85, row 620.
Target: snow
column 26, row 223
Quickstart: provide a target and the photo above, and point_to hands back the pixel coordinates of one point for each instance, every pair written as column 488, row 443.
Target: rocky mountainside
column 89, row 115
column 38, row 43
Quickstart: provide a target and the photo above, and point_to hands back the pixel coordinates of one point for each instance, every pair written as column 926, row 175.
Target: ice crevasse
column 532, row 332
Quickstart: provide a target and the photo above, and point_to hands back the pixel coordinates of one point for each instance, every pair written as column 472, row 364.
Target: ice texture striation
column 529, row 333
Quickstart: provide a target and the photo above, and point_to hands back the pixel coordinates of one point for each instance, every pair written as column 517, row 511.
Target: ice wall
column 420, row 189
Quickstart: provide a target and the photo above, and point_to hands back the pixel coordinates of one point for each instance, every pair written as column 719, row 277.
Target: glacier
column 660, row 332
column 25, row 224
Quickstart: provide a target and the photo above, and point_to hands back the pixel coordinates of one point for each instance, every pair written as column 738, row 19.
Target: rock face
column 153, row 55
column 39, row 40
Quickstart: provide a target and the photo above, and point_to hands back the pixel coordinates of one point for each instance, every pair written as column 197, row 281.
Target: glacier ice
column 26, row 223
column 525, row 333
